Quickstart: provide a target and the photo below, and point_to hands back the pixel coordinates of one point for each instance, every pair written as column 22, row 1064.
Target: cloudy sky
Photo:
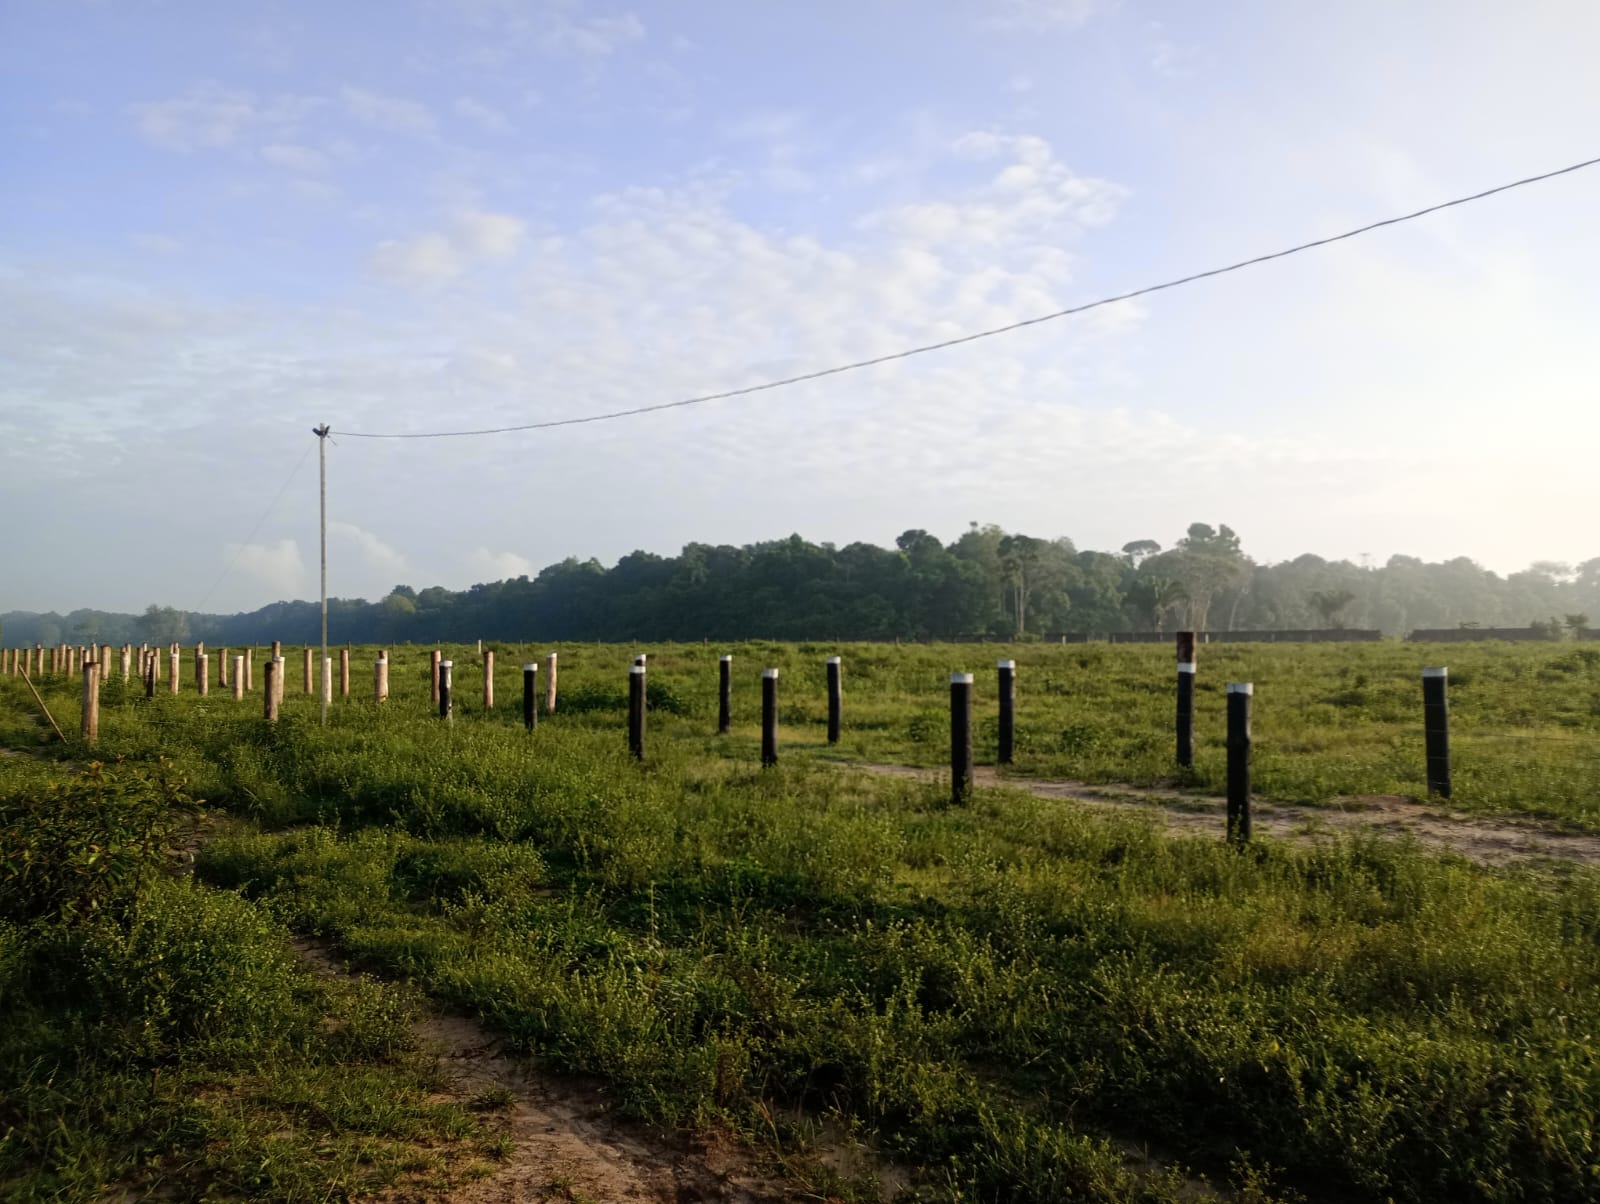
column 222, row 224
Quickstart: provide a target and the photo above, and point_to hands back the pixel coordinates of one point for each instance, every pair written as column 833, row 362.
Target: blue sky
column 222, row 224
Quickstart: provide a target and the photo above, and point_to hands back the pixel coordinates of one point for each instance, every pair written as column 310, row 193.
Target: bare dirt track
column 1431, row 825
column 562, row 1141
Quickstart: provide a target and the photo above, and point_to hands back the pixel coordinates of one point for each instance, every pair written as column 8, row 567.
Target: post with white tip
column 636, row 710
column 724, row 695
column 1186, row 667
column 1436, row 729
column 380, row 678
column 446, row 710
column 769, row 717
column 530, row 695
column 1008, row 712
column 1240, row 694
column 960, row 738
column 835, row 698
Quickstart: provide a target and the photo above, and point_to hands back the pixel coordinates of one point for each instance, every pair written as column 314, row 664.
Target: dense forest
column 988, row 582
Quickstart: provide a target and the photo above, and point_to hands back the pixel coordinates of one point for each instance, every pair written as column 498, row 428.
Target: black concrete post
column 636, row 710
column 769, row 716
column 530, row 695
column 835, row 697
column 1186, row 668
column 725, row 695
column 960, row 737
column 1436, row 724
column 1239, row 699
column 1008, row 712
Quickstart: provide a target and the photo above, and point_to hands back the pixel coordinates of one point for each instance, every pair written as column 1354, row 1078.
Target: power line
column 265, row 514
column 982, row 334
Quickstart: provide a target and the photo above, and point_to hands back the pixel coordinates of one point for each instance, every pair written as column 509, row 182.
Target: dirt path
column 1488, row 841
column 565, row 1145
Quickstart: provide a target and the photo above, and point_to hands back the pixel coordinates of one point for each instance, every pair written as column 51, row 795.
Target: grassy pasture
column 1006, row 995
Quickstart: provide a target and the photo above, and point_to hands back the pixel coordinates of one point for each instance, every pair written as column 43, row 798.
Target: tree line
column 986, row 583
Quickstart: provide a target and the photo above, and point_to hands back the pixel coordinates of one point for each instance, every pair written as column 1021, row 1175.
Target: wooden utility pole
column 322, row 465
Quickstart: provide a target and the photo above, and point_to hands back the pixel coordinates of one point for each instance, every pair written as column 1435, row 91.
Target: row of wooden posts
column 94, row 664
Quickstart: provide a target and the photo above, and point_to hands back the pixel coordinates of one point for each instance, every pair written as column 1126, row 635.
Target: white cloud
column 210, row 117
column 293, row 157
column 160, row 244
column 474, row 237
column 424, row 259
column 1037, row 16
column 499, row 566
column 494, row 235
column 276, row 566
column 1031, row 199
column 393, row 114
column 595, row 37
column 207, row 118
column 378, row 559
column 490, row 118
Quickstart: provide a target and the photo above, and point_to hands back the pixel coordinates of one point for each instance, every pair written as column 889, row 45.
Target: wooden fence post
column 446, row 708
column 279, row 678
column 434, row 662
column 636, row 710
column 308, row 670
column 530, row 695
column 724, row 695
column 327, row 681
column 224, row 669
column 380, row 678
column 835, row 698
column 344, row 672
column 277, row 649
column 960, row 737
column 1240, row 694
column 769, row 717
column 488, row 679
column 1007, row 674
column 1185, row 725
column 550, row 684
column 249, row 669
column 269, row 700
column 91, row 701
column 175, row 674
column 1436, row 729
column 238, row 677
column 202, row 674
column 149, row 675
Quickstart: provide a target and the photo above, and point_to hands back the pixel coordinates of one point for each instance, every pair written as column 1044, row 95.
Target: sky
column 221, row 225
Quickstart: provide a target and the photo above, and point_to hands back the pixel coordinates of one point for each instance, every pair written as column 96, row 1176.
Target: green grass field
column 1008, row 996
